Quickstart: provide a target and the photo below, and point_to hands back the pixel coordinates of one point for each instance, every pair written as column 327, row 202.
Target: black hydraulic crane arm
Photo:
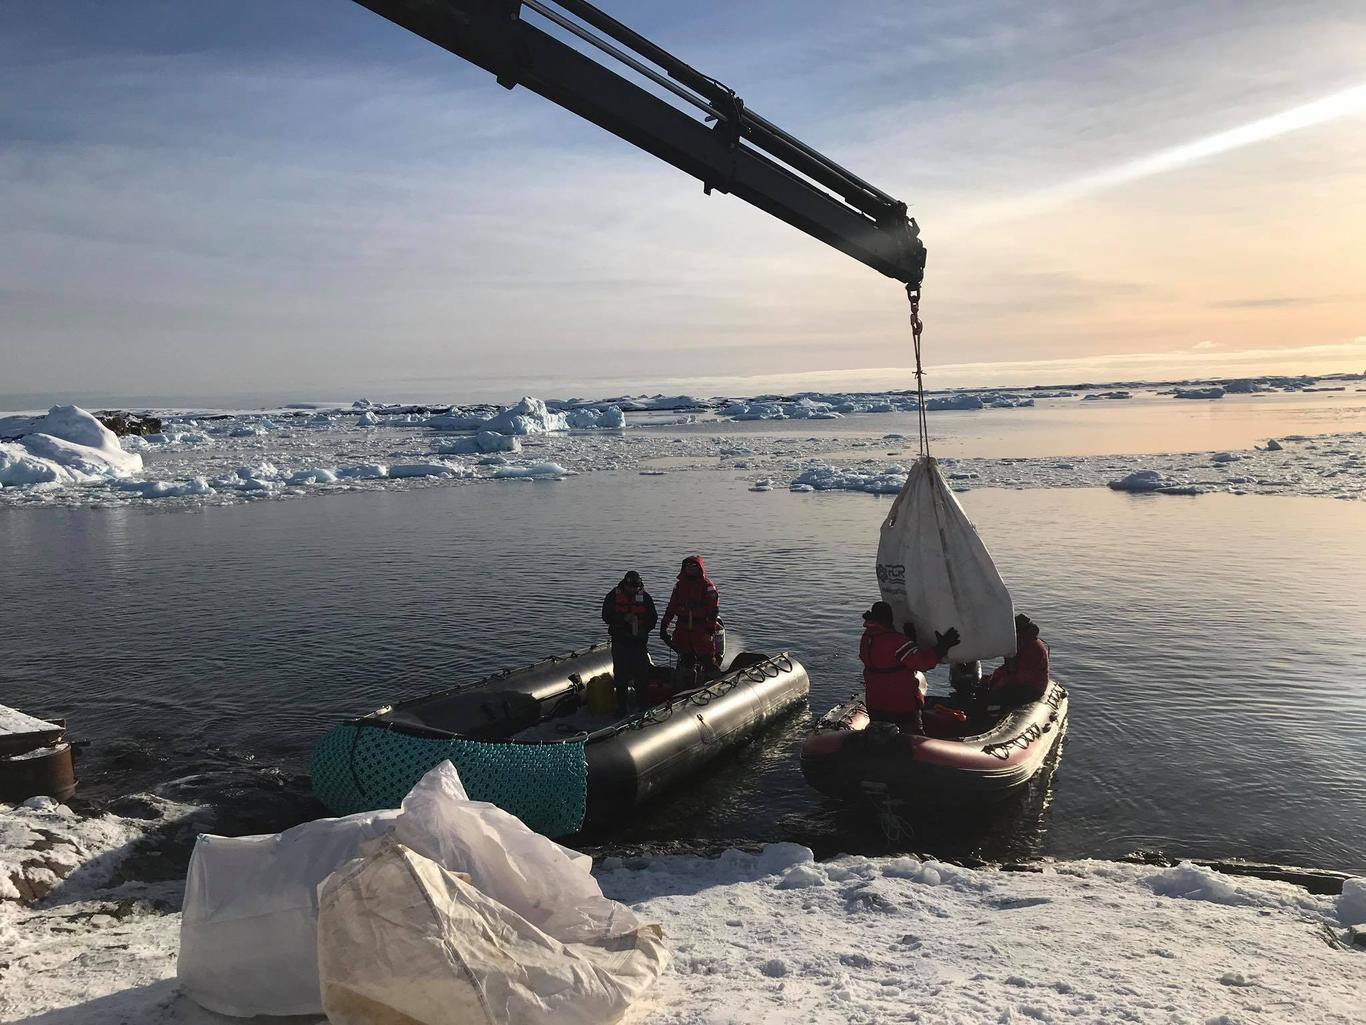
column 740, row 152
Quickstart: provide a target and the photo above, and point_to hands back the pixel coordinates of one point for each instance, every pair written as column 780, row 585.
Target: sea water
column 1211, row 644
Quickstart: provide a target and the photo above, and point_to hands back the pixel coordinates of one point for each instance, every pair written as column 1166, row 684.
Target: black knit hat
column 881, row 612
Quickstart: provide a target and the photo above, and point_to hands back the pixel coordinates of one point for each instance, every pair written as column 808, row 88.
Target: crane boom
column 740, row 153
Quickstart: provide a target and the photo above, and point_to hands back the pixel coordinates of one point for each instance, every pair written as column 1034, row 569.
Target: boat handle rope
column 1033, row 732
column 1002, row 749
column 769, row 669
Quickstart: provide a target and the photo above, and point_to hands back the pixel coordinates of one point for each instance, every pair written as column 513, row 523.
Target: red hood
column 683, row 569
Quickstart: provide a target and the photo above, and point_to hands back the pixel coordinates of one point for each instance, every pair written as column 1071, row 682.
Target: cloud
column 1277, row 302
column 1206, row 344
column 1345, row 103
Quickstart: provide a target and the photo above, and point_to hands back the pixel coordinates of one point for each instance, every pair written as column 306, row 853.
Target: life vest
column 631, row 604
column 891, row 685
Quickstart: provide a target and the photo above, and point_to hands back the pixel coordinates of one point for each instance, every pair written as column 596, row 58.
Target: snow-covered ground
column 769, row 937
column 205, row 457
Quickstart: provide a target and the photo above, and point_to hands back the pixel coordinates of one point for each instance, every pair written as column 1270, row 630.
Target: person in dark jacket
column 695, row 604
column 1024, row 676
column 629, row 612
column 891, row 660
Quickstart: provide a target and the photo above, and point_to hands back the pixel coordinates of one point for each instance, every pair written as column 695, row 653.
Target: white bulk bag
column 466, row 915
column 403, row 940
column 248, row 931
column 934, row 571
column 550, row 886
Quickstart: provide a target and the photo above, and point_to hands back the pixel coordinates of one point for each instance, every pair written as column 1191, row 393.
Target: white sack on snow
column 402, row 940
column 466, row 915
column 934, row 571
column 248, row 932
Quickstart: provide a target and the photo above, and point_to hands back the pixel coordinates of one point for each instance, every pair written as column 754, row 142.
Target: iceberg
column 484, row 441
column 454, row 421
column 954, row 402
column 530, row 416
column 611, row 418
column 654, row 403
column 1139, row 481
column 65, row 446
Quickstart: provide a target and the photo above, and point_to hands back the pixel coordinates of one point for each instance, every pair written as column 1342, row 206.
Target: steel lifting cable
column 913, row 294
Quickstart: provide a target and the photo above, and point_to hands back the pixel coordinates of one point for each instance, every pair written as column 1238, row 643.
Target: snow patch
column 1351, row 903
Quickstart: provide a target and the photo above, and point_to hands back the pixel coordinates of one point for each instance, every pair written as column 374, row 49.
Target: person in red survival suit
column 1024, row 676
column 695, row 604
column 890, row 661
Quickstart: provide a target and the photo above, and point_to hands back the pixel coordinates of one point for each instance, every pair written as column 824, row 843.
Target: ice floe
column 533, row 471
column 801, row 409
column 398, row 471
column 201, row 457
column 1142, row 481
column 886, row 480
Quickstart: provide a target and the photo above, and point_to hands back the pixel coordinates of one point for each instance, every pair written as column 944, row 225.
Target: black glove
column 943, row 642
column 664, row 634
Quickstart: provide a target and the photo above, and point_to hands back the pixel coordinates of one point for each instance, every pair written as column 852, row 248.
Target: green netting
column 362, row 768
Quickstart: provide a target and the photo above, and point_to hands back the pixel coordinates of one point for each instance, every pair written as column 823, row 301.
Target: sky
column 256, row 200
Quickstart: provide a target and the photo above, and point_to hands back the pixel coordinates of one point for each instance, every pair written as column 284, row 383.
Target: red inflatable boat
column 851, row 758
